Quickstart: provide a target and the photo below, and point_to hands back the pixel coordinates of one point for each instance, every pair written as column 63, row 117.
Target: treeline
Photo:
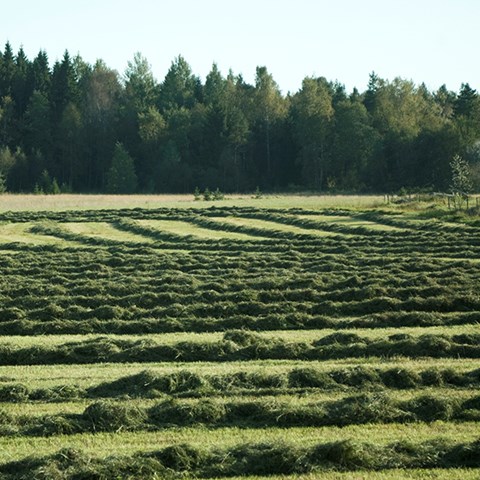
column 83, row 128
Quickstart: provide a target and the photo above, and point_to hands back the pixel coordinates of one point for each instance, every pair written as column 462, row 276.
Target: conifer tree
column 121, row 178
column 3, row 186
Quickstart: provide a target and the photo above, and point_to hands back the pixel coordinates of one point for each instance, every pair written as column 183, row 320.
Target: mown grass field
column 282, row 337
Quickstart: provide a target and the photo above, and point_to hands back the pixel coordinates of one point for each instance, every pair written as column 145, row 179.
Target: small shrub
column 207, row 195
column 218, row 195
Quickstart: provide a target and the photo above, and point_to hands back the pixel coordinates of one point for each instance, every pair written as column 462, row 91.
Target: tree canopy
column 80, row 122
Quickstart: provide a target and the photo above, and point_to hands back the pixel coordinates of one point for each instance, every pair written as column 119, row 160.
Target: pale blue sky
column 435, row 41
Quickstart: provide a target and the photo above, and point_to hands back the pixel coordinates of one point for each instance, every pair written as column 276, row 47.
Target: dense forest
column 84, row 128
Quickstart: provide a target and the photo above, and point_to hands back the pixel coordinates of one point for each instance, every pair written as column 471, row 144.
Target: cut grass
column 270, row 226
column 396, row 474
column 349, row 221
column 179, row 227
column 283, row 401
column 296, row 336
column 20, row 232
column 43, row 376
column 280, row 282
column 104, row 230
column 126, row 443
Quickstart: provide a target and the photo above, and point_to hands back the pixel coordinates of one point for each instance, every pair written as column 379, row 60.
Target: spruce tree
column 121, row 178
column 45, row 182
column 3, row 186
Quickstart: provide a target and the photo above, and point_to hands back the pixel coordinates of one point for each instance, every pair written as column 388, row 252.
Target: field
column 283, row 337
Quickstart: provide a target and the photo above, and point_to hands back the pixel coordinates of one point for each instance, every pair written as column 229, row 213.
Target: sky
column 432, row 41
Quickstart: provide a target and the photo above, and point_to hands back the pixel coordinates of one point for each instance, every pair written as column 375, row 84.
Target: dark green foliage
column 207, row 195
column 121, row 177
column 3, row 186
column 182, row 132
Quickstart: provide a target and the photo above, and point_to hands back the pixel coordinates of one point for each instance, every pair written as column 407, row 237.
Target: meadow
column 282, row 337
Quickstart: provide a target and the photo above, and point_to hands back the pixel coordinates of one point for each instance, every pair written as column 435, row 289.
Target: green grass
column 104, row 230
column 20, row 232
column 396, row 474
column 42, row 376
column 398, row 272
column 284, row 335
column 12, row 202
column 185, row 228
column 267, row 225
column 125, row 443
column 352, row 222
column 297, row 399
